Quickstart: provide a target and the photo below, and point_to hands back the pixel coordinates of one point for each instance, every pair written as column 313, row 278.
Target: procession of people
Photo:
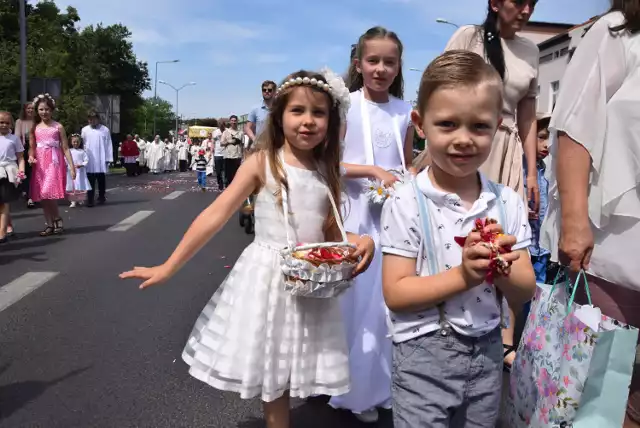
column 429, row 264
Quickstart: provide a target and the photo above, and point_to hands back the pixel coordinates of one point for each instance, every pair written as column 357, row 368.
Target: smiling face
column 75, row 142
column 459, row 124
column 44, row 111
column 5, row 123
column 28, row 110
column 380, row 64
column 306, row 118
column 513, row 15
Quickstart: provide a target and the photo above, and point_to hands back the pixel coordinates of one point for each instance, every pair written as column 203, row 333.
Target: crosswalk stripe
column 173, row 195
column 20, row 287
column 130, row 221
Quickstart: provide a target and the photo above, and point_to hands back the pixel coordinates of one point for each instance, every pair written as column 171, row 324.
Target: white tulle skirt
column 255, row 339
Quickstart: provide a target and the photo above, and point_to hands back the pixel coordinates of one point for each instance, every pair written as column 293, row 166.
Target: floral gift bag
column 573, row 366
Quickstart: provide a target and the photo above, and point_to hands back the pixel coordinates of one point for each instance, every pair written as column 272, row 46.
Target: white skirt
column 256, row 339
column 81, row 182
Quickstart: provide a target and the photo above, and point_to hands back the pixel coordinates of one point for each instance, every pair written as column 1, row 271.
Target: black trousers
column 230, row 168
column 131, row 169
column 100, row 177
column 218, row 165
column 183, row 166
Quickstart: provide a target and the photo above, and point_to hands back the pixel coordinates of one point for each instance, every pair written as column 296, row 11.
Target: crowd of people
column 427, row 325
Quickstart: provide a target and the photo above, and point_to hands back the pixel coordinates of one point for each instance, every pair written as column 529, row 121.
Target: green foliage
column 89, row 60
column 143, row 118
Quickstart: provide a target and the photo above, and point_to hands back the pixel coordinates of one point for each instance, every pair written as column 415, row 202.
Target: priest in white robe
column 99, row 148
column 155, row 155
column 142, row 158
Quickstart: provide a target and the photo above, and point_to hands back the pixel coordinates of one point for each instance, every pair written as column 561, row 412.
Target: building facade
column 555, row 54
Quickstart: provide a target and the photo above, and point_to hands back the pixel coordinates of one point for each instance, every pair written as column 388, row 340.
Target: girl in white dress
column 378, row 138
column 253, row 337
column 80, row 161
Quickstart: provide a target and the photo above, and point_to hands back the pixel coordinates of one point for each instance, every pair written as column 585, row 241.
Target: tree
column 92, row 60
column 143, row 122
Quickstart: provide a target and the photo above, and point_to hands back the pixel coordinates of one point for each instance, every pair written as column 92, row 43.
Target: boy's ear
column 417, row 123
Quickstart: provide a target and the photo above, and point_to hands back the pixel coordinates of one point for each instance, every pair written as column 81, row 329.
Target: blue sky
column 230, row 46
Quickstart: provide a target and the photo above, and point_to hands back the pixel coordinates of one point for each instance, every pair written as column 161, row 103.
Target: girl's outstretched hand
column 151, row 276
column 365, row 250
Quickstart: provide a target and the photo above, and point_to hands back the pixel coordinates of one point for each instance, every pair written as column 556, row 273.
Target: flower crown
column 333, row 85
column 75, row 135
column 44, row 97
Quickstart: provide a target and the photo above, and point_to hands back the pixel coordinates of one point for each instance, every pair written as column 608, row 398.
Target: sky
column 228, row 47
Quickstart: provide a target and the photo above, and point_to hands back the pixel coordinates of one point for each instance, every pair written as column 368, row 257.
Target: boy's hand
column 476, row 257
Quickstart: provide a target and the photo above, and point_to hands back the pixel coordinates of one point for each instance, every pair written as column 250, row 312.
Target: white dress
column 253, row 337
column 169, row 156
column 155, row 156
column 363, row 306
column 81, row 182
column 599, row 107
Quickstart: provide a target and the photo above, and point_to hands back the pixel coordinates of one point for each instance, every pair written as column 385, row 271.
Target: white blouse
column 599, row 107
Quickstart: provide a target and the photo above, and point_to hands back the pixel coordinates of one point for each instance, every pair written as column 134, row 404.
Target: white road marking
column 111, row 189
column 173, row 195
column 20, row 287
column 131, row 221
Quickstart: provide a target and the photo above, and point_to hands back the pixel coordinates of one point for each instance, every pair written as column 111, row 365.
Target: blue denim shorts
column 444, row 379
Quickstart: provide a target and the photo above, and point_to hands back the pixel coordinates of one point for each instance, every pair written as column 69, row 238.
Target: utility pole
column 23, row 51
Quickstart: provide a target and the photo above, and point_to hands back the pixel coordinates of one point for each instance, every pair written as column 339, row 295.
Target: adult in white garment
column 97, row 143
column 378, row 138
column 593, row 221
column 155, row 155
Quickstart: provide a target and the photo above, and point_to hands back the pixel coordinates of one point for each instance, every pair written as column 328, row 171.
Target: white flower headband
column 333, row 85
column 44, row 97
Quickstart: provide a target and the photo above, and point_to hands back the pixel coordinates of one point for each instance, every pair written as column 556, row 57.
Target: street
column 86, row 349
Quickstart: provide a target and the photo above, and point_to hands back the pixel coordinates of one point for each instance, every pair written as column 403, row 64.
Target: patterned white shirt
column 474, row 312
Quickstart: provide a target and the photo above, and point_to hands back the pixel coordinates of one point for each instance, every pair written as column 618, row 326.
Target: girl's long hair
column 488, row 33
column 631, row 11
column 327, row 154
column 36, row 117
column 355, row 81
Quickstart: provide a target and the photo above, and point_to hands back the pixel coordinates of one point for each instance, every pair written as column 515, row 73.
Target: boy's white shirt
column 474, row 312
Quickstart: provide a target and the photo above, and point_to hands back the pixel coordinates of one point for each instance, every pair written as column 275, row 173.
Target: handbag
column 573, row 365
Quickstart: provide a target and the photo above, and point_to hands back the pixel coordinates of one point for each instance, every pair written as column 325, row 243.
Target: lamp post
column 414, row 69
column 177, row 98
column 155, row 92
column 446, row 21
column 23, row 52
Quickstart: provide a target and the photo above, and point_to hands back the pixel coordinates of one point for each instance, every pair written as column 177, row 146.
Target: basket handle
column 285, row 209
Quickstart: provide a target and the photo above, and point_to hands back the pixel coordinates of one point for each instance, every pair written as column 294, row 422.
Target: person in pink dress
column 48, row 145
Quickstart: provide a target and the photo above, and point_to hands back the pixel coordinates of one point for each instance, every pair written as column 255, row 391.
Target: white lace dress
column 253, row 337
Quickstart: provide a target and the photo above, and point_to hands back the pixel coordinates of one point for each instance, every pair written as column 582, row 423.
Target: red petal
column 460, row 240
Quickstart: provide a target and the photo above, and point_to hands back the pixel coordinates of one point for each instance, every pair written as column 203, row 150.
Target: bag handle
column 581, row 275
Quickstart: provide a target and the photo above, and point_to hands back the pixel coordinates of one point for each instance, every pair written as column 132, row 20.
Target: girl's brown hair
column 36, row 117
column 631, row 11
column 327, row 154
column 457, row 68
column 355, row 81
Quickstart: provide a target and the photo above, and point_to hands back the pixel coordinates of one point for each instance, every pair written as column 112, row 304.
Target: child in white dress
column 253, row 337
column 378, row 138
column 80, row 161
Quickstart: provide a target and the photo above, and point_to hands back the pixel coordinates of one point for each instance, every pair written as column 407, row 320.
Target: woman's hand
column 365, row 250
column 385, row 177
column 73, row 173
column 533, row 193
column 151, row 276
column 576, row 244
column 32, row 160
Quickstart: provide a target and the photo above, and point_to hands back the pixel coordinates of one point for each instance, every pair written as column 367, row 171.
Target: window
column 564, row 51
column 546, row 58
column 555, row 89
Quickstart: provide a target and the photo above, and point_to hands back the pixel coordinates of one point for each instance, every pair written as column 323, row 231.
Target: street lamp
column 177, row 99
column 414, row 69
column 445, row 21
column 155, row 92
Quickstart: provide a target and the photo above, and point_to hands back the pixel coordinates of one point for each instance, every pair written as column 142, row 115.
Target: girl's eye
column 390, row 63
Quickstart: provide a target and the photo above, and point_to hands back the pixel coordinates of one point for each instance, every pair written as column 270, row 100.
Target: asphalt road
column 86, row 349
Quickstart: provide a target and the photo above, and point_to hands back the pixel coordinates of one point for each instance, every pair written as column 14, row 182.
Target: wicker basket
column 76, row 196
column 308, row 278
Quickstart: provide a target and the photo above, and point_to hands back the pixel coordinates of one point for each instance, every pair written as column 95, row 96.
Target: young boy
column 540, row 256
column 446, row 318
column 201, row 170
